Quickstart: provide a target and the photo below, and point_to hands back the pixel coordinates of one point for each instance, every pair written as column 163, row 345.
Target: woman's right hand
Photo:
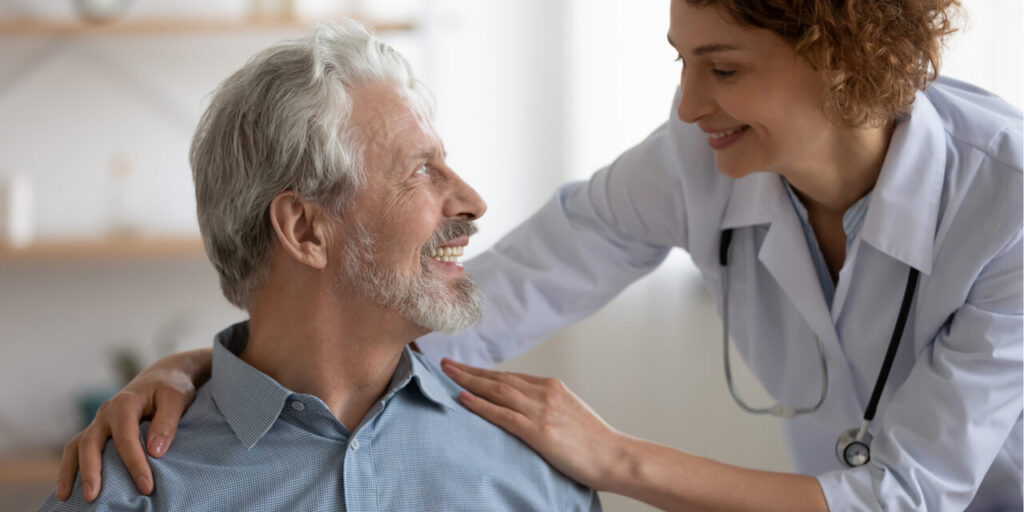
column 161, row 392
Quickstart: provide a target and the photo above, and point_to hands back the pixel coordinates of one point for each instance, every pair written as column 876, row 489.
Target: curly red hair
column 879, row 52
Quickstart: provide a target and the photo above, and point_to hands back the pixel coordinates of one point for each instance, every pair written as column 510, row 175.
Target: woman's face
column 760, row 104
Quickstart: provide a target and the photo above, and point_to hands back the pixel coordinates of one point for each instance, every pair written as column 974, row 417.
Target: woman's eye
column 722, row 73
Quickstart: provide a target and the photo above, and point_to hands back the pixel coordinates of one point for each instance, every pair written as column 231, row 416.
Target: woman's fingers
column 90, row 459
column 125, row 431
column 68, row 468
column 498, row 387
column 170, row 407
column 481, row 372
column 512, row 421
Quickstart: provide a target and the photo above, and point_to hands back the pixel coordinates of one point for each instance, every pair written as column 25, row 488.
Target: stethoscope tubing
column 861, row 435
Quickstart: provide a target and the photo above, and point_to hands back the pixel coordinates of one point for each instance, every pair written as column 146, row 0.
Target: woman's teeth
column 448, row 254
column 719, row 135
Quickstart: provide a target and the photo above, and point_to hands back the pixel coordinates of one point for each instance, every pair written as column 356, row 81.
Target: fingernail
column 158, row 444
column 87, row 491
column 62, row 489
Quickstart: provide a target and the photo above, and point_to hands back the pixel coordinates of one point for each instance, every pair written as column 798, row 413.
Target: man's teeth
column 726, row 133
column 448, row 254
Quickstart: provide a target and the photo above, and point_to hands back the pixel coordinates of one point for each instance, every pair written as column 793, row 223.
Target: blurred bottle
column 16, row 210
column 119, row 215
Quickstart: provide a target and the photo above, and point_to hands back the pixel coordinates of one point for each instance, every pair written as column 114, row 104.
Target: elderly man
column 330, row 215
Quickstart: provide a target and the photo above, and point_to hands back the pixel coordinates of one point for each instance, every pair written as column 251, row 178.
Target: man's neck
column 341, row 355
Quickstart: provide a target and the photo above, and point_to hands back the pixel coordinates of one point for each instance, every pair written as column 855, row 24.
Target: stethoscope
column 854, row 446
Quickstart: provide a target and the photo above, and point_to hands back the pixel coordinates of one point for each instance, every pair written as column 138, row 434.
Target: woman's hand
column 549, row 417
column 161, row 392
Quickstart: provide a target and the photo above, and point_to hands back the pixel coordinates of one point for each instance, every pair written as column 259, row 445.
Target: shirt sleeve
column 574, row 255
column 104, row 503
column 945, row 425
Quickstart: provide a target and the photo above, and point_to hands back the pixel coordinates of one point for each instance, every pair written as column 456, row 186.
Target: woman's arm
column 163, row 391
column 581, row 249
column 569, row 435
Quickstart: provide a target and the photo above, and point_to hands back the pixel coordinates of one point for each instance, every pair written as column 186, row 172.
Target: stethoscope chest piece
column 853, row 448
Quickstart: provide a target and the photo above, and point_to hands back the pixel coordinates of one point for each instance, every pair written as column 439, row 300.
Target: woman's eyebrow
column 706, row 49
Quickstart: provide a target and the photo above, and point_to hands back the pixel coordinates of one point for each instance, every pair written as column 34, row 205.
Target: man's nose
column 464, row 201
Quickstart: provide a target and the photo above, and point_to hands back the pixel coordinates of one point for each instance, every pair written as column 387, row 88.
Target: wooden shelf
column 113, row 248
column 172, row 26
column 29, row 469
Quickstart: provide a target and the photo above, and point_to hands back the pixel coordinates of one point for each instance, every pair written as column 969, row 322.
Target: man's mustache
column 450, row 230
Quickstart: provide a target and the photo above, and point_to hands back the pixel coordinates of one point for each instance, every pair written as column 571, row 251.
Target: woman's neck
column 842, row 170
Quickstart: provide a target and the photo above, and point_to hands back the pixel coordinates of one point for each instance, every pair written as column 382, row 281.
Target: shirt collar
column 853, row 218
column 251, row 401
column 903, row 208
column 411, row 367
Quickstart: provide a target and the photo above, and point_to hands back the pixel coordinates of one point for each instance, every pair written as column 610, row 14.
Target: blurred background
column 102, row 272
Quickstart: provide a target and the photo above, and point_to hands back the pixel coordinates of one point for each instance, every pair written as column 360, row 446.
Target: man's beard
column 424, row 299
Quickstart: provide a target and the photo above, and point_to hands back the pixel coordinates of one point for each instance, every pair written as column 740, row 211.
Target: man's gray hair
column 281, row 123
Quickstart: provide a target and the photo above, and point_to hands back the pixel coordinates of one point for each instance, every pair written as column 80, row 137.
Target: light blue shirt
column 248, row 443
column 853, row 219
column 949, row 201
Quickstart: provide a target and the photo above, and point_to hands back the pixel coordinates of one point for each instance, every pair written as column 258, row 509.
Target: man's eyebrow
column 423, row 154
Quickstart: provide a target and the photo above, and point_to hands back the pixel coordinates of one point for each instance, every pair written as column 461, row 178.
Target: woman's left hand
column 549, row 417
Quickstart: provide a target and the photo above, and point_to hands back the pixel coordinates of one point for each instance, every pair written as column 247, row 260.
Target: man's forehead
column 389, row 106
column 394, row 123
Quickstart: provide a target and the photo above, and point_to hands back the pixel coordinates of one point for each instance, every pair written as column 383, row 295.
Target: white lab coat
column 948, row 202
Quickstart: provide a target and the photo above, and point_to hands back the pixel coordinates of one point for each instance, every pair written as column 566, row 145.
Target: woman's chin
column 733, row 171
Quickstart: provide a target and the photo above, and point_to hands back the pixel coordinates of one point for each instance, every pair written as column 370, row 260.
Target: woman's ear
column 299, row 226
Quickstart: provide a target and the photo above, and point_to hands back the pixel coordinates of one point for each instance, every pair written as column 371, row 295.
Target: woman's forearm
column 674, row 480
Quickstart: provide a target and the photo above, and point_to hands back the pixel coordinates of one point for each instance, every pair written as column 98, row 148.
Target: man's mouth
column 450, row 254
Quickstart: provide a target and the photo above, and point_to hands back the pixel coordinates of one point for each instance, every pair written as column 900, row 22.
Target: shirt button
column 298, row 406
column 355, row 444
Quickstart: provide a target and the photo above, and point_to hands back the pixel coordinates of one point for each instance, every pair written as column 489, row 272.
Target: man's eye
column 423, row 169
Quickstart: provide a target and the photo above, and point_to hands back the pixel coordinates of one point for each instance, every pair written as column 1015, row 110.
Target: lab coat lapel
column 903, row 211
column 902, row 217
column 761, row 199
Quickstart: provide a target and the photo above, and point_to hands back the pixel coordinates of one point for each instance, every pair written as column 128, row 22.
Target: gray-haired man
column 328, row 210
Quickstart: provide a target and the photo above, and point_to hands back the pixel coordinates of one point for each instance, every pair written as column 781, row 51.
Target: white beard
column 425, row 299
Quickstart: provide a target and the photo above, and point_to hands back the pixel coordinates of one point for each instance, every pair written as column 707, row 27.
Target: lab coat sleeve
column 946, row 423
column 571, row 257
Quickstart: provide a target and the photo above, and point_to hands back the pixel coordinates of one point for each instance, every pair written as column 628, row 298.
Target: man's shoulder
column 118, row 490
column 475, row 446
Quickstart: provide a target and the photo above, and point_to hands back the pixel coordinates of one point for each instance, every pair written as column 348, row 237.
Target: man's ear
column 300, row 229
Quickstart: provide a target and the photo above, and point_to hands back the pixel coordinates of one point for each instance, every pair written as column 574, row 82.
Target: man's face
column 412, row 217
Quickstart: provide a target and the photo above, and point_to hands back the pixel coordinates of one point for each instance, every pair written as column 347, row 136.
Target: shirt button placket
column 360, row 481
